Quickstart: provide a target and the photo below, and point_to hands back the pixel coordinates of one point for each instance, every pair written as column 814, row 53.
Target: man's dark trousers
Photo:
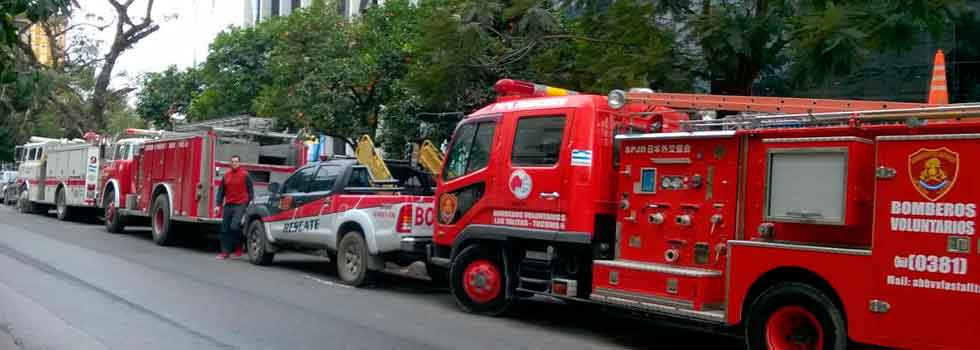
column 231, row 227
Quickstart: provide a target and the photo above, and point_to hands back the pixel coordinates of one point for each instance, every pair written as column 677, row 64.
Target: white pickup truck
column 331, row 208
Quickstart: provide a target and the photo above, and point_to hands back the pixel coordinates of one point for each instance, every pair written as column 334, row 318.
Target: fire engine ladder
column 370, row 158
column 761, row 112
column 910, row 116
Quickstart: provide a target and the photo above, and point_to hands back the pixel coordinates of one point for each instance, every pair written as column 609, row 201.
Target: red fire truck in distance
column 172, row 178
column 839, row 222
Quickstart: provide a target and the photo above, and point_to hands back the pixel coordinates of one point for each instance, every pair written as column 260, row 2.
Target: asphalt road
column 71, row 285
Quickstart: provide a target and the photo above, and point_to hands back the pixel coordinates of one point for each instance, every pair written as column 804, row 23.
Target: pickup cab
column 333, row 209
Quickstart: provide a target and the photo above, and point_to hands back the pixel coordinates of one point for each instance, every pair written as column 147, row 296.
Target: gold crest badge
column 933, row 171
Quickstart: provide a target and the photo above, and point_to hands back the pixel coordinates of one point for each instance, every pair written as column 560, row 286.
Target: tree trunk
column 101, row 91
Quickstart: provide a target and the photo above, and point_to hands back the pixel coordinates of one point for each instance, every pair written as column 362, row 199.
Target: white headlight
column 617, row 99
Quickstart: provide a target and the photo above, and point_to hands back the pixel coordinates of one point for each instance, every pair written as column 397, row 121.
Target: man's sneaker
column 221, row 256
column 238, row 251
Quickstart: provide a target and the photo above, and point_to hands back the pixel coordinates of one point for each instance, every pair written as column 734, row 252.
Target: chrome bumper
column 415, row 244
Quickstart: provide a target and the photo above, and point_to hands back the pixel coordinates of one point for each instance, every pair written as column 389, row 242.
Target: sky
column 186, row 29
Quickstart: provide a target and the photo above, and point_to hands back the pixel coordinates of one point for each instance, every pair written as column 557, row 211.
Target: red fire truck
column 171, row 178
column 819, row 224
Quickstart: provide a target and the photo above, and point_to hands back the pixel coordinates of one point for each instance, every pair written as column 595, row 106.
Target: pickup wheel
column 160, row 224
column 795, row 316
column 258, row 243
column 352, row 260
column 478, row 281
column 61, row 206
column 114, row 222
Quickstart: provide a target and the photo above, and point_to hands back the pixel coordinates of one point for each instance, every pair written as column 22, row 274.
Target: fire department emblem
column 520, row 184
column 447, row 208
column 933, row 171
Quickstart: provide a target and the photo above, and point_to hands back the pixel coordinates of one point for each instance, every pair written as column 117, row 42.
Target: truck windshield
column 471, row 150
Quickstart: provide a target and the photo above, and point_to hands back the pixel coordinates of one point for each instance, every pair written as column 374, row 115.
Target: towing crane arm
column 430, row 158
column 368, row 155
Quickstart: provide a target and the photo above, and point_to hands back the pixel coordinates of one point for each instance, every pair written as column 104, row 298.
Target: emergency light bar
column 511, row 87
column 143, row 132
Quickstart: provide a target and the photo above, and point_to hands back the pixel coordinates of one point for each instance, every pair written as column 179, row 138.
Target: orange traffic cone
column 937, row 88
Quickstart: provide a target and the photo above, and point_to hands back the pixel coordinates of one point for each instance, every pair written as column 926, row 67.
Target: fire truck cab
column 849, row 222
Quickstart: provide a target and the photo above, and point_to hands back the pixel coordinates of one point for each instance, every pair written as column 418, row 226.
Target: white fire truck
column 63, row 174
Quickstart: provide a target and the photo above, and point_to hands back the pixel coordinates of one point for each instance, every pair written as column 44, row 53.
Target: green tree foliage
column 407, row 72
column 336, row 76
column 164, row 93
column 236, row 70
column 22, row 85
column 810, row 40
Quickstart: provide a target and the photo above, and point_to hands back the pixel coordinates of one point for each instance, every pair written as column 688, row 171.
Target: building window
column 275, row 8
column 296, row 4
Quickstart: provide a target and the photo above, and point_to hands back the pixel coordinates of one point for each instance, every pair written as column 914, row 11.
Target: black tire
column 160, row 224
column 437, row 274
column 258, row 243
column 37, row 208
column 791, row 298
column 475, row 254
column 352, row 260
column 114, row 221
column 62, row 210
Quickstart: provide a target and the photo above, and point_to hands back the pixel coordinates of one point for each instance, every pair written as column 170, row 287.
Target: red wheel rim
column 110, row 209
column 158, row 222
column 794, row 328
column 482, row 280
column 110, row 212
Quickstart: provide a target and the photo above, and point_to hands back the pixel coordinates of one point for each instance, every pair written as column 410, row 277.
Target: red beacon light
column 91, row 137
column 508, row 89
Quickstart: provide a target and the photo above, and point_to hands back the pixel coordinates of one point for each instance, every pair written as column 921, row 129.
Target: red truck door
column 532, row 171
column 925, row 249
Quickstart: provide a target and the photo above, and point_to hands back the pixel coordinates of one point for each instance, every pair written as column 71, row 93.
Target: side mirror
column 274, row 187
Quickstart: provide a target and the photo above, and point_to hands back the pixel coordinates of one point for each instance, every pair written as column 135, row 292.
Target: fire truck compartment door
column 925, row 248
column 533, row 173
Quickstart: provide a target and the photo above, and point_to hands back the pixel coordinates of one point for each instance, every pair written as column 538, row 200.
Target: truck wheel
column 795, row 316
column 257, row 244
column 478, row 281
column 160, row 223
column 352, row 260
column 37, row 208
column 61, row 205
column 114, row 222
column 437, row 274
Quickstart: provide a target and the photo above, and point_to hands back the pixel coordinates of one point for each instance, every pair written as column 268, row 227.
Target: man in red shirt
column 235, row 193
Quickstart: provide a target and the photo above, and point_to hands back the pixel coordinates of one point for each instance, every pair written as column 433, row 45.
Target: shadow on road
column 627, row 330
